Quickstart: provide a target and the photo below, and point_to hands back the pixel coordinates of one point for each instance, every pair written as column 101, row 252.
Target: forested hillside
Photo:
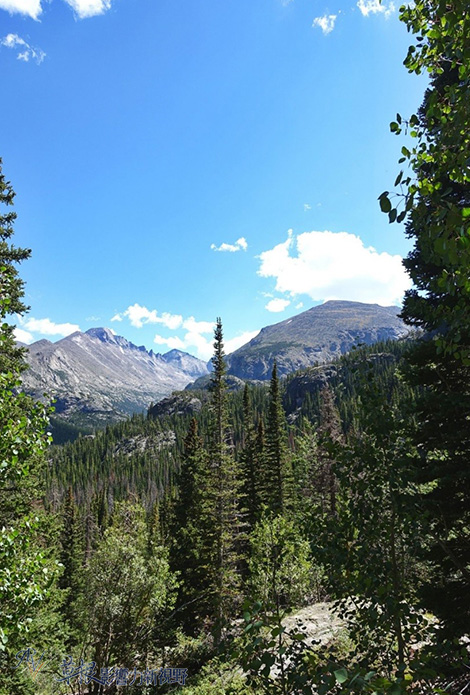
column 142, row 455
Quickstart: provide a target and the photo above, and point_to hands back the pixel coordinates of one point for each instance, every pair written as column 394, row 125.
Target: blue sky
column 177, row 160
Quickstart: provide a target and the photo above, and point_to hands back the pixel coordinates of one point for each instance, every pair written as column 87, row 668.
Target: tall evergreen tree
column 330, row 432
column 277, row 483
column 72, row 559
column 11, row 285
column 250, row 463
column 191, row 521
column 225, row 492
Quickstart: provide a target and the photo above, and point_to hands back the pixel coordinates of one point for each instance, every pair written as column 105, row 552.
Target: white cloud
column 191, row 342
column 89, row 8
column 368, row 7
column 48, row 327
column 239, row 340
column 307, row 207
column 173, row 342
column 139, row 315
column 299, row 305
column 239, row 245
column 326, row 23
column 278, row 304
column 31, row 8
column 203, row 346
column 23, row 336
column 194, row 326
column 171, row 321
column 26, row 52
column 328, row 265
column 197, row 336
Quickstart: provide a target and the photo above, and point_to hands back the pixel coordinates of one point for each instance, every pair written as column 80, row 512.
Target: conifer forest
column 310, row 535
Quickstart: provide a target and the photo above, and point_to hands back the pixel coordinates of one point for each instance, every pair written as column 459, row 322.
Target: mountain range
column 98, row 377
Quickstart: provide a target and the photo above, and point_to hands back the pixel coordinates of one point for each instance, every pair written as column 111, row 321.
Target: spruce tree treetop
column 218, row 359
column 11, row 285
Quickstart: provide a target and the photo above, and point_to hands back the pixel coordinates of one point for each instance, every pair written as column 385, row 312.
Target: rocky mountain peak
column 315, row 336
column 106, row 335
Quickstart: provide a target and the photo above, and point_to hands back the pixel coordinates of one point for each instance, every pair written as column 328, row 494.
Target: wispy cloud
column 239, row 340
column 139, row 315
column 195, row 336
column 277, row 304
column 25, row 51
column 194, row 339
column 89, row 8
column 48, row 327
column 31, row 8
column 325, row 23
column 201, row 345
column 239, row 245
column 334, row 265
column 307, row 207
column 368, row 7
column 23, row 336
column 173, row 342
column 194, row 326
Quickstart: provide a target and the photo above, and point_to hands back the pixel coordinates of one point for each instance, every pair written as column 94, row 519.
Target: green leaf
column 385, row 204
column 341, row 675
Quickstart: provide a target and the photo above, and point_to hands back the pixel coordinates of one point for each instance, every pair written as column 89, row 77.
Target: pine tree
column 11, row 285
column 224, row 491
column 190, row 533
column 330, row 432
column 72, row 559
column 249, row 463
column 277, row 483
